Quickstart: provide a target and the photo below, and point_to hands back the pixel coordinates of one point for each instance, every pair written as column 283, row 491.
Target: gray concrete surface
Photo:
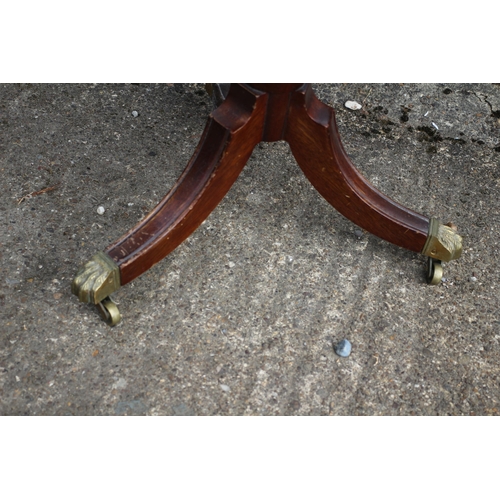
column 243, row 317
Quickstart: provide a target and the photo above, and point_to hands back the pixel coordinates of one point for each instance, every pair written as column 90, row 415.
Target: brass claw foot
column 443, row 242
column 95, row 281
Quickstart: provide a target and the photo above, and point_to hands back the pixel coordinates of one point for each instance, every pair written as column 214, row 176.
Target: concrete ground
column 242, row 318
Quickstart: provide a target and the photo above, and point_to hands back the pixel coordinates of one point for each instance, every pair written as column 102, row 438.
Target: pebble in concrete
column 353, row 105
column 343, row 348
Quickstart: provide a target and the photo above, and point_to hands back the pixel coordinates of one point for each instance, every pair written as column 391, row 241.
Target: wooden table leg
column 315, row 143
column 231, row 133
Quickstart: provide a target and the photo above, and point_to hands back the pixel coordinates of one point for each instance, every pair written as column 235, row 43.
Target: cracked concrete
column 242, row 318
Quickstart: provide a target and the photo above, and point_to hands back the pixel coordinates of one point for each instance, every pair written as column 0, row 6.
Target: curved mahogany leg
column 231, row 133
column 315, row 143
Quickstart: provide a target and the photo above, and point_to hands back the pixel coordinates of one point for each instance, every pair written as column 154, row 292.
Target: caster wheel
column 434, row 271
column 109, row 311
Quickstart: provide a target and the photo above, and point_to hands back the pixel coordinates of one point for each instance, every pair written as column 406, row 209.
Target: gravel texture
column 243, row 317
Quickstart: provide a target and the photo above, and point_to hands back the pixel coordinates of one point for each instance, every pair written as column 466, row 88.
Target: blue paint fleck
column 343, row 348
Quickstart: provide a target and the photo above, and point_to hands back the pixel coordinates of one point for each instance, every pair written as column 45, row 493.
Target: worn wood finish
column 232, row 131
column 264, row 112
column 315, row 143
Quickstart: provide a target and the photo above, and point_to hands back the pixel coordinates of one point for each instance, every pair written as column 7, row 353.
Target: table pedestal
column 252, row 113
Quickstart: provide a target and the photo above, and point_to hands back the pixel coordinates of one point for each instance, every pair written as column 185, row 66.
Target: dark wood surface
column 252, row 113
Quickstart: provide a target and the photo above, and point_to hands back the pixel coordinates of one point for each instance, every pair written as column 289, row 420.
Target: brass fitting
column 443, row 243
column 97, row 279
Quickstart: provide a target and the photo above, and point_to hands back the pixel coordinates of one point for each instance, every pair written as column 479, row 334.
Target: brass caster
column 443, row 243
column 434, row 271
column 97, row 279
column 109, row 311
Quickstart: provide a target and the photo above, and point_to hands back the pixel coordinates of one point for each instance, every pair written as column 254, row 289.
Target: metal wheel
column 109, row 311
column 434, row 271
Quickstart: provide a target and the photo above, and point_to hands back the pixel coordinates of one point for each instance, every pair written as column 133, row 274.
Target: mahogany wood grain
column 231, row 133
column 315, row 143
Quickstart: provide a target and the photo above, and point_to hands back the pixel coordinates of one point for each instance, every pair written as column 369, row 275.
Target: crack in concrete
column 494, row 113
